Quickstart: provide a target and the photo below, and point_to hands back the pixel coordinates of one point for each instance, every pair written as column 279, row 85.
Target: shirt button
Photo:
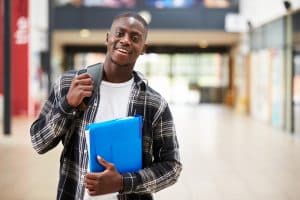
column 74, row 113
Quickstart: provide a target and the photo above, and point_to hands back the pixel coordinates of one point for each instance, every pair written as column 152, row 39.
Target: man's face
column 126, row 41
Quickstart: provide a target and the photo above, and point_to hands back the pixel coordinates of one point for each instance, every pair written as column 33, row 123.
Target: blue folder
column 118, row 141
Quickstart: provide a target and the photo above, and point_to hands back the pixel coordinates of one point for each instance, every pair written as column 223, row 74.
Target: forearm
column 53, row 123
column 46, row 134
column 152, row 179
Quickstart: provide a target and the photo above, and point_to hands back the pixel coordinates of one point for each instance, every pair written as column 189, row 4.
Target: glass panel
column 82, row 60
column 296, row 92
column 186, row 74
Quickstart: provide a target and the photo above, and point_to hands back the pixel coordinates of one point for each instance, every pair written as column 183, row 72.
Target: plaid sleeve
column 166, row 167
column 52, row 123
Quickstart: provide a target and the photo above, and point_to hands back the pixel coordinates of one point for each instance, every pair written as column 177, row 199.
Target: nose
column 125, row 39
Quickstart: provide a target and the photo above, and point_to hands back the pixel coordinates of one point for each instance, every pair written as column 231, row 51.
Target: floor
column 225, row 156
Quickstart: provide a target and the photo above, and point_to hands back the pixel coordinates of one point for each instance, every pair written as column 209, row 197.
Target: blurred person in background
column 122, row 92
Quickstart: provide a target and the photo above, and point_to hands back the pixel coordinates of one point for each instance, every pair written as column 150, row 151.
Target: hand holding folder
column 117, row 141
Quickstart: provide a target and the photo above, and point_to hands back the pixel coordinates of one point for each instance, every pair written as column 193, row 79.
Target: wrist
column 69, row 102
column 66, row 108
column 121, row 184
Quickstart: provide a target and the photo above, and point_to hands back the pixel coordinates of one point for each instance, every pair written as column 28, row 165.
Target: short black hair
column 135, row 16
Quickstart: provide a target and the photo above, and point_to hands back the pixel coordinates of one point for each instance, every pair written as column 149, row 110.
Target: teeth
column 123, row 50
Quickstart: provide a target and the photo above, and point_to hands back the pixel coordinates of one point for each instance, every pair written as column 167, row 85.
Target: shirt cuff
column 129, row 182
column 66, row 109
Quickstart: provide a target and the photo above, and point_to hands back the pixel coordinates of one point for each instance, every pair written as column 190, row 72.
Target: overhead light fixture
column 84, row 33
column 203, row 44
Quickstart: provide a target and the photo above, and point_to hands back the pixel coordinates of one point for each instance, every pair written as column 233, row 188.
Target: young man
column 122, row 92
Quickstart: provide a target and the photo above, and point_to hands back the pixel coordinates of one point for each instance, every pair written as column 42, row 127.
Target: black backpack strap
column 96, row 72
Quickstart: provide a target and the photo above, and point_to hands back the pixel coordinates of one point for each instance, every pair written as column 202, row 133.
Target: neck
column 115, row 73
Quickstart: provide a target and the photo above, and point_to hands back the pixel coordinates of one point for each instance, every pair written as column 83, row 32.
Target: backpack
column 96, row 71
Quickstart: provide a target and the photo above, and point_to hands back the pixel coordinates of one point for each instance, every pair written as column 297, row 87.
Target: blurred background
column 230, row 70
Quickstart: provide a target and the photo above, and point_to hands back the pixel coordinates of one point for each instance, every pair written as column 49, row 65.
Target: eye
column 119, row 34
column 135, row 38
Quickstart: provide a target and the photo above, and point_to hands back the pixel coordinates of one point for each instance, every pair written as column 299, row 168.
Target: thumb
column 103, row 162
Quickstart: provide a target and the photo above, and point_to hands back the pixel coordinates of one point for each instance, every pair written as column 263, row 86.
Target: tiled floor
column 225, row 157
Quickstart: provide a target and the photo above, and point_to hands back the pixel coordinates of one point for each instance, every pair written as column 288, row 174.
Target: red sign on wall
column 19, row 56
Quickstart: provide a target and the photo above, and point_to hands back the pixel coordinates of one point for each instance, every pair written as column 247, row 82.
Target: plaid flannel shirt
column 60, row 122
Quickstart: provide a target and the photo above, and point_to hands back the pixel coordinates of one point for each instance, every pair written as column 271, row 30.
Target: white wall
column 38, row 35
column 295, row 4
column 261, row 11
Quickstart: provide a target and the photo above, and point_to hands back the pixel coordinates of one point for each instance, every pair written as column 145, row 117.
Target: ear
column 144, row 49
column 106, row 39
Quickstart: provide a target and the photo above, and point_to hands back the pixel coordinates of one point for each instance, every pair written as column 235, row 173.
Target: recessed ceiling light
column 84, row 33
column 203, row 44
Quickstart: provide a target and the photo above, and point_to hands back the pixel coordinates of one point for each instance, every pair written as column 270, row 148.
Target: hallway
column 225, row 157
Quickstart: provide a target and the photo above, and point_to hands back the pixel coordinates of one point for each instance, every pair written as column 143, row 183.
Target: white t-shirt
column 114, row 99
column 113, row 104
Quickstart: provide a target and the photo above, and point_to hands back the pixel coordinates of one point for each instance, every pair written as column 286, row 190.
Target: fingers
column 90, row 181
column 85, row 87
column 91, row 189
column 83, row 76
column 90, row 186
column 92, row 192
column 81, row 87
column 86, row 80
column 91, row 176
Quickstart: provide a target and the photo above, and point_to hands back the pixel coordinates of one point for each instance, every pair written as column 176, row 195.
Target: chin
column 120, row 63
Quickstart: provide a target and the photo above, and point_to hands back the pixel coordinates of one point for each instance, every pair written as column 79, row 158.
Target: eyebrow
column 132, row 32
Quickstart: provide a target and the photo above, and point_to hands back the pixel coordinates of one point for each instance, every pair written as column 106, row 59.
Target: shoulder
column 158, row 106
column 153, row 98
column 63, row 82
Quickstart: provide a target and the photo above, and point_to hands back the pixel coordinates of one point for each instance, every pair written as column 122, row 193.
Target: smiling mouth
column 123, row 51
